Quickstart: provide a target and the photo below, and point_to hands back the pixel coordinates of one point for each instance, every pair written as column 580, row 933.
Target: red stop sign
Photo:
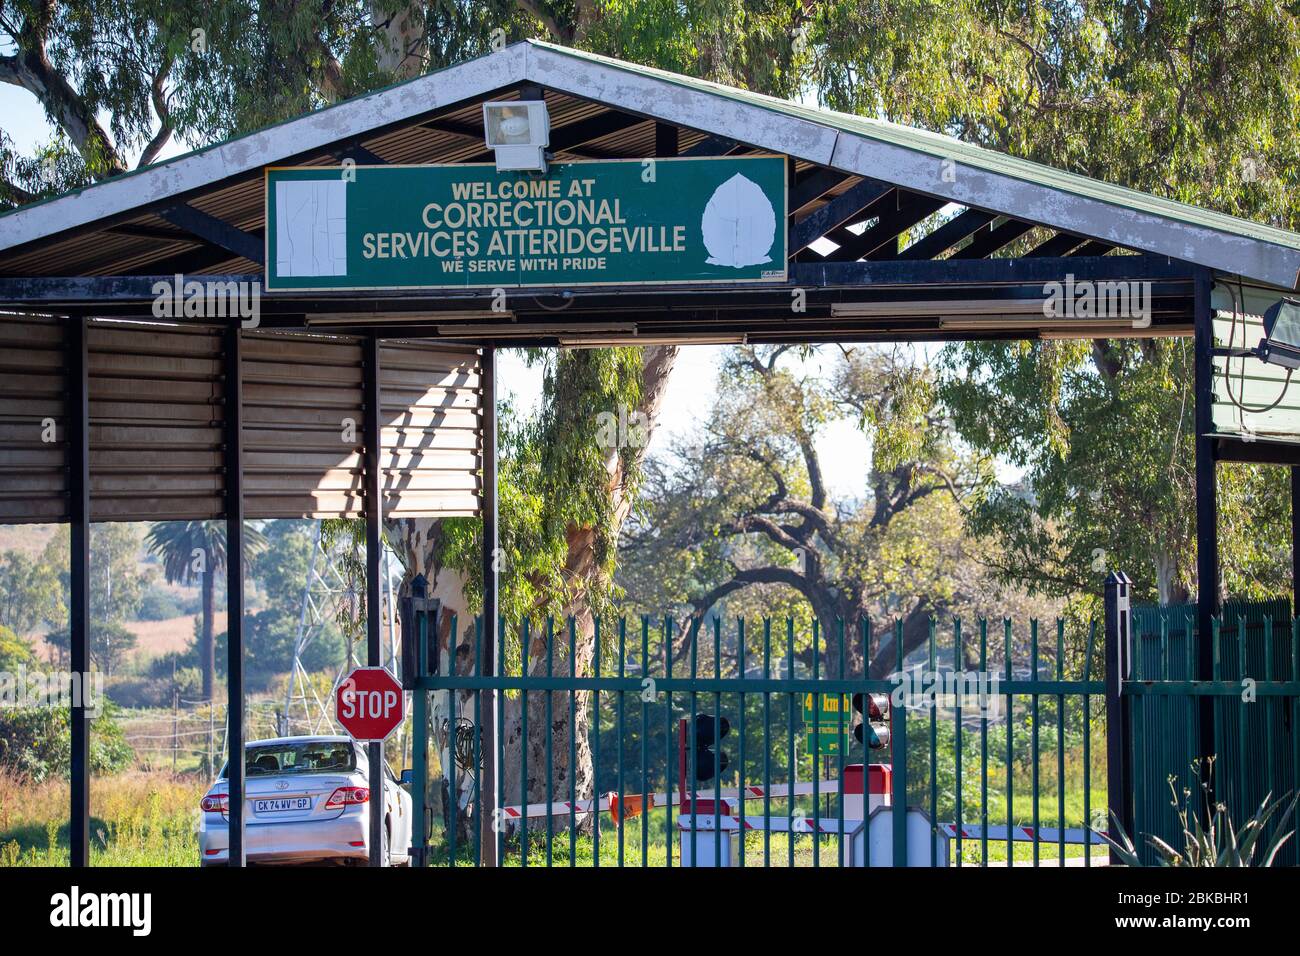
column 369, row 703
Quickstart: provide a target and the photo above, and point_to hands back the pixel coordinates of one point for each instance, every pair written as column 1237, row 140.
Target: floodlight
column 518, row 131
column 1281, row 342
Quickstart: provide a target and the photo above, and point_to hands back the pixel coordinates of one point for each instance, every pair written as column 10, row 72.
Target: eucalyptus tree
column 743, row 504
column 1194, row 101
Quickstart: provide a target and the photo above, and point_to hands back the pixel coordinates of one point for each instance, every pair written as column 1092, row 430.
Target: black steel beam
column 149, row 232
column 1295, row 544
column 1256, row 452
column 953, row 271
column 215, row 231
column 1060, row 244
column 666, row 139
column 360, row 155
column 233, row 459
column 887, row 204
column 374, row 499
column 948, row 235
column 489, row 833
column 1207, row 510
column 103, row 291
column 194, row 260
column 812, row 186
column 1093, row 248
column 712, row 146
column 990, row 241
column 77, row 434
column 834, row 213
column 455, row 128
column 892, row 224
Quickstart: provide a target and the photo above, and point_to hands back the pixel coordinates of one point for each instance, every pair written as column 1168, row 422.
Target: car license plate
column 282, row 805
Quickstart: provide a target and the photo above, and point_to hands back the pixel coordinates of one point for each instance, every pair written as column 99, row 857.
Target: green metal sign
column 605, row 222
column 821, row 718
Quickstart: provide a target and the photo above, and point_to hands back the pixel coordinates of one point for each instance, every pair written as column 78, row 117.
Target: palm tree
column 194, row 552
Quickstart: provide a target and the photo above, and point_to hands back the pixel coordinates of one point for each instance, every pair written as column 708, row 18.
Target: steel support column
column 77, row 435
column 1295, row 541
column 234, row 493
column 490, row 731
column 374, row 552
column 1207, row 508
column 1118, row 649
column 415, row 621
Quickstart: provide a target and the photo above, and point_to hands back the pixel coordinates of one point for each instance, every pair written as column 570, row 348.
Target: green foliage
column 189, row 549
column 15, row 651
column 35, row 742
column 558, row 478
column 1195, row 102
column 158, row 604
column 739, row 520
column 31, row 592
column 344, row 539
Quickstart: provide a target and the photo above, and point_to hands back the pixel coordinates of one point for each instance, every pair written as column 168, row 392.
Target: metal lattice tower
column 305, row 711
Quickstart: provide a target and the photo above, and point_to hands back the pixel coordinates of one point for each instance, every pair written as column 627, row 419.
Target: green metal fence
column 1256, row 707
column 1002, row 773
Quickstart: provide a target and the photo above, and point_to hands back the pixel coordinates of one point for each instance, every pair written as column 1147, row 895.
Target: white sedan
column 307, row 799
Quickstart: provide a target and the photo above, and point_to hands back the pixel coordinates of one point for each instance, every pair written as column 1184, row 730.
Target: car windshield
column 310, row 756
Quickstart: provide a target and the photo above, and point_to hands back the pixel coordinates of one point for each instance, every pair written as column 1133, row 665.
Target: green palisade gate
column 1255, row 741
column 653, row 221
column 1014, row 785
column 649, row 683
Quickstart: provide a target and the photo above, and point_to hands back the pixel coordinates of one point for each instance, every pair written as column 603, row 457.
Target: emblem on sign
column 739, row 224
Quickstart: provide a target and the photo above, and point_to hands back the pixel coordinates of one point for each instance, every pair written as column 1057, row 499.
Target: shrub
column 36, row 742
column 1216, row 842
column 159, row 604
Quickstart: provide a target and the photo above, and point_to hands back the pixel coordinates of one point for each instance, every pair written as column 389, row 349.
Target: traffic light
column 876, row 720
column 709, row 731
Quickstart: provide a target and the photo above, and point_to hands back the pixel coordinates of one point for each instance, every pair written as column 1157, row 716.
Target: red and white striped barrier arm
column 704, row 823
column 1025, row 834
column 602, row 804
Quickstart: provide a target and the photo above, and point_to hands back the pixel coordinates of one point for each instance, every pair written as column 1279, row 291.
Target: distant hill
column 29, row 539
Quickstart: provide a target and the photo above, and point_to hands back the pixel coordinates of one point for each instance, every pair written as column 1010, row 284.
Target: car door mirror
column 408, row 777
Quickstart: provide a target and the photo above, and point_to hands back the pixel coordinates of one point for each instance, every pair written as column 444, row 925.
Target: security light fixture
column 518, row 131
column 1281, row 342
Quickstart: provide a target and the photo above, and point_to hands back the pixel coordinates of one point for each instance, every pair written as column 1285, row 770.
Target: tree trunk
column 207, row 642
column 402, row 44
column 567, row 778
column 583, row 570
column 417, row 541
column 916, row 631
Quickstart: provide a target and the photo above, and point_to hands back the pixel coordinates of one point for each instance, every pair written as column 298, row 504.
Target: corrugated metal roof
column 939, row 146
column 398, row 124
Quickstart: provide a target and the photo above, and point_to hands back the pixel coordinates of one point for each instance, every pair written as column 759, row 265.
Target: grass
column 137, row 819
column 148, row 819
column 774, row 851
